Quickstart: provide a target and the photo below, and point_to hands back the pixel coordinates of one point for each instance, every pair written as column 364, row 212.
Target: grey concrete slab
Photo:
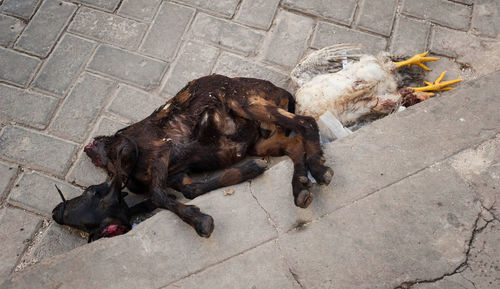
column 327, row 34
column 262, row 267
column 479, row 167
column 337, row 10
column 486, row 18
column 82, row 106
column 128, row 66
column 442, row 12
column 377, row 16
column 163, row 240
column 16, row 67
column 415, row 229
column 7, row 173
column 107, row 5
column 235, row 66
column 24, row 107
column 195, row 60
column 410, row 37
column 225, row 33
column 16, row 229
column 36, row 150
column 139, row 9
column 37, row 192
column 167, row 30
column 257, row 13
column 223, row 7
column 83, row 172
column 108, row 28
column 20, row 8
column 10, row 28
column 43, row 31
column 64, row 64
column 287, row 39
column 134, row 104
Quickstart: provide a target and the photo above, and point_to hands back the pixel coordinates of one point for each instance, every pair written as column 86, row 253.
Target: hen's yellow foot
column 437, row 85
column 417, row 60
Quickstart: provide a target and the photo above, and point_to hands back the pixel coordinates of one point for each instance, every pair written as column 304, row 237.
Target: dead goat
column 211, row 125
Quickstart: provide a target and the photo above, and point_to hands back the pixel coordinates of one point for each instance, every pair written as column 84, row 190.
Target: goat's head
column 100, row 210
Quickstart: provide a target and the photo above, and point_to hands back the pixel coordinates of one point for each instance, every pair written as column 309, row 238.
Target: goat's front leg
column 202, row 223
column 194, row 186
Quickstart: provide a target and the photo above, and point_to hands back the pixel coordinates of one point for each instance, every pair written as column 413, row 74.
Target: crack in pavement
column 461, row 267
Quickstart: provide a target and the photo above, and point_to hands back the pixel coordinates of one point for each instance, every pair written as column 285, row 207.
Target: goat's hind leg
column 257, row 108
column 293, row 147
column 194, row 186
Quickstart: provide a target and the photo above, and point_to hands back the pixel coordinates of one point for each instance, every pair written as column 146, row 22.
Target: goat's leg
column 194, row 186
column 293, row 147
column 257, row 108
column 202, row 223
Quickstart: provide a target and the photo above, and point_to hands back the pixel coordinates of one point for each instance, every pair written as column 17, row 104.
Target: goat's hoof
column 303, row 199
column 205, row 226
column 305, row 181
column 262, row 164
column 327, row 177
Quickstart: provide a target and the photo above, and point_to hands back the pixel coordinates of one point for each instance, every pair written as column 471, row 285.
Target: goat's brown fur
column 213, row 124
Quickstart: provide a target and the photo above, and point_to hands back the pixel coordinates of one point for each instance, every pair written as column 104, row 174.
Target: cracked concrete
column 399, row 214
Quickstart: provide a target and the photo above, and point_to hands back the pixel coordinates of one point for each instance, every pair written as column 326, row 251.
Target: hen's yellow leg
column 437, row 85
column 417, row 60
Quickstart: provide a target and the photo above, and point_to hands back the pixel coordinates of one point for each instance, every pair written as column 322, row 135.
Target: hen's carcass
column 336, row 82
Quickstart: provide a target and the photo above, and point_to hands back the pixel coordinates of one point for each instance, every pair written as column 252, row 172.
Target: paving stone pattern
column 74, row 69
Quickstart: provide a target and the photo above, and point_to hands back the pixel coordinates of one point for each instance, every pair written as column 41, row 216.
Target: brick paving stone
column 108, row 28
column 33, row 109
column 257, row 13
column 17, row 67
column 10, row 28
column 338, row 10
column 128, row 66
column 442, row 12
column 16, row 230
column 486, row 18
column 64, row 64
column 36, row 150
column 20, row 8
column 225, row 33
column 235, row 66
column 134, row 104
column 37, row 192
column 84, row 173
column 108, row 5
column 224, row 7
column 288, row 39
column 56, row 240
column 139, row 9
column 195, row 60
column 81, row 107
column 327, row 34
column 42, row 32
column 410, row 37
column 7, row 172
column 449, row 42
column 167, row 30
column 377, row 16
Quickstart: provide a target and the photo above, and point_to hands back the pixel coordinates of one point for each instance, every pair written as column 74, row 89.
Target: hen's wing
column 325, row 60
